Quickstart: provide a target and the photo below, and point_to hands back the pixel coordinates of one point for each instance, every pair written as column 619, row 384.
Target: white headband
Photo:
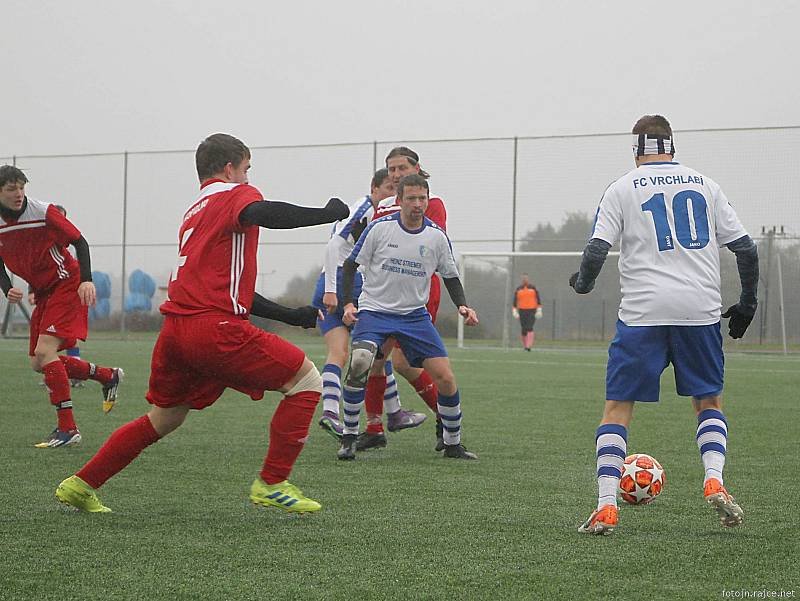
column 651, row 144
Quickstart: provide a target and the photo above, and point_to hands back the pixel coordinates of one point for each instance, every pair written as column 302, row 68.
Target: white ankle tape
column 311, row 382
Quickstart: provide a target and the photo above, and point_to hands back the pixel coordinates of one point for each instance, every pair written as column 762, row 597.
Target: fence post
column 122, row 325
column 553, row 313
column 514, row 201
column 603, row 322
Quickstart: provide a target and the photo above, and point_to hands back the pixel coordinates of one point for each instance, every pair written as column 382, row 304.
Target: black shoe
column 528, row 349
column 457, row 451
column 370, row 440
column 439, row 436
column 347, row 452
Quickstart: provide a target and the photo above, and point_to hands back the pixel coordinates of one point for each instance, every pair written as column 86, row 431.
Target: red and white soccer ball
column 642, row 479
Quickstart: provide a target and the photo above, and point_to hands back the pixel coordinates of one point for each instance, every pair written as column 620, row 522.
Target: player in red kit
column 33, row 240
column 207, row 343
column 381, row 387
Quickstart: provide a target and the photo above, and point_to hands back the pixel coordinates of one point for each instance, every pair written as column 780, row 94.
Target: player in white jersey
column 337, row 335
column 399, row 254
column 670, row 222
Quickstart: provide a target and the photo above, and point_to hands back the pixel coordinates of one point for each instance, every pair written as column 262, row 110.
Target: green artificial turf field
column 402, row 522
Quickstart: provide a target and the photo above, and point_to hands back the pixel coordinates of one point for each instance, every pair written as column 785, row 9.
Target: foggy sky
column 91, row 76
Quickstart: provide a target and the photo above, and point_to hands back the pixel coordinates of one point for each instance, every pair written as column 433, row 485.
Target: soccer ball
column 642, row 479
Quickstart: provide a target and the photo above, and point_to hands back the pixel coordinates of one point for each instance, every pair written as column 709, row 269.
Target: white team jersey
column 399, row 264
column 670, row 222
column 341, row 241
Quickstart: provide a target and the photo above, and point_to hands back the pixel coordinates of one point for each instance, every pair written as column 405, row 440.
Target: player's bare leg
column 45, row 360
column 338, row 341
column 712, row 440
column 448, row 406
column 611, row 446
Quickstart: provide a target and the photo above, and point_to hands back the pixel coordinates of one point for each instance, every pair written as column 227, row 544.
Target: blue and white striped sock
column 449, row 408
column 611, row 441
column 331, row 387
column 712, row 440
column 353, row 401
column 391, row 398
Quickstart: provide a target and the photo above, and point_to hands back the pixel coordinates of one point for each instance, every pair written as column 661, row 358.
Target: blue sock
column 712, row 440
column 353, row 401
column 331, row 387
column 611, row 441
column 449, row 408
column 391, row 398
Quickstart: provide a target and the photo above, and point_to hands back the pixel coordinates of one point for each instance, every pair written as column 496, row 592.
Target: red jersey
column 34, row 246
column 216, row 271
column 435, row 212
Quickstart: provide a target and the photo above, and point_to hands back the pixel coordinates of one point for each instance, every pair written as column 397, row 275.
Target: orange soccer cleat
column 730, row 514
column 602, row 521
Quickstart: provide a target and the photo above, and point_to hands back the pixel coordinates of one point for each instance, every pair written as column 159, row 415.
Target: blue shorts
column 638, row 355
column 415, row 333
column 333, row 320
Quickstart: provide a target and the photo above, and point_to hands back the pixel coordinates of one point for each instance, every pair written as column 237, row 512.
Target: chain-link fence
column 498, row 191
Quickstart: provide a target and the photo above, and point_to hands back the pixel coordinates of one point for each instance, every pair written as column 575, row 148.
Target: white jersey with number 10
column 670, row 222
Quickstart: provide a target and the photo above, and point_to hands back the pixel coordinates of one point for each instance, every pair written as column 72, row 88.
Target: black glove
column 740, row 317
column 305, row 317
column 582, row 289
column 337, row 209
column 358, row 229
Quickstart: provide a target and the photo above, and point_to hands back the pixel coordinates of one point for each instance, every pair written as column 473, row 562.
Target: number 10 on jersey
column 691, row 226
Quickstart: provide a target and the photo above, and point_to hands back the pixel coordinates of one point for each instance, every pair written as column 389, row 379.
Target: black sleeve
column 746, row 253
column 5, row 281
column 358, row 229
column 594, row 255
column 456, row 291
column 277, row 215
column 538, row 296
column 515, row 296
column 348, row 278
column 302, row 316
column 84, row 259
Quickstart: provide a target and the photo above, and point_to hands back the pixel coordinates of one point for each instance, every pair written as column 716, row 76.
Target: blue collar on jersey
column 396, row 217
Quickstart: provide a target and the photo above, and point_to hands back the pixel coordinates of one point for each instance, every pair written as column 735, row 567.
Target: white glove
column 538, row 313
column 514, row 312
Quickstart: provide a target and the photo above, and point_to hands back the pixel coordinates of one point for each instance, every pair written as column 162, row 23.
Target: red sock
column 373, row 402
column 288, row 432
column 83, row 370
column 427, row 390
column 57, row 382
column 122, row 447
column 531, row 338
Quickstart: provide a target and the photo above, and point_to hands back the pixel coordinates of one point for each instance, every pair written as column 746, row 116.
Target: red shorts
column 196, row 358
column 434, row 297
column 59, row 313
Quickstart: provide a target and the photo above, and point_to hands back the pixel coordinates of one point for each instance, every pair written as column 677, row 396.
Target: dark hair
column 379, row 177
column 655, row 125
column 405, row 151
column 216, row 151
column 10, row 174
column 412, row 180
